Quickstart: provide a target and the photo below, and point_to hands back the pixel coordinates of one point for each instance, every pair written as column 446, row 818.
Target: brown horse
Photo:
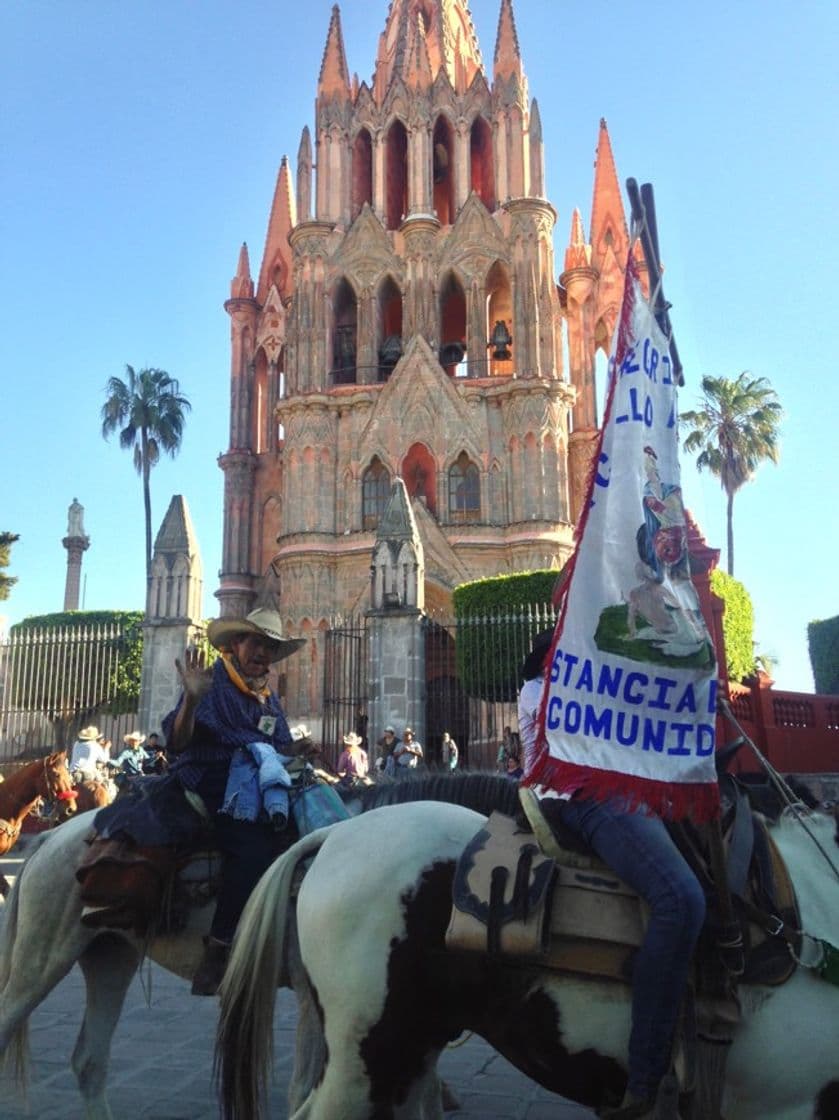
column 93, row 794
column 47, row 778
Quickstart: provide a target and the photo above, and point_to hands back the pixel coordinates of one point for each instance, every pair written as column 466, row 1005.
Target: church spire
column 276, row 260
column 608, row 224
column 334, row 74
column 450, row 41
column 417, row 73
column 507, row 62
column 241, row 287
column 578, row 254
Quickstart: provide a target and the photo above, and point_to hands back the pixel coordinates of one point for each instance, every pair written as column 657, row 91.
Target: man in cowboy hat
column 87, row 754
column 130, row 762
column 221, row 709
column 352, row 762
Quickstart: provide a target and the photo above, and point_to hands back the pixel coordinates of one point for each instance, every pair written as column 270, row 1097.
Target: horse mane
column 482, row 792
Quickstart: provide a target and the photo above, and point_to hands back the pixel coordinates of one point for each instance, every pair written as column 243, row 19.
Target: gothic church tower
column 407, row 323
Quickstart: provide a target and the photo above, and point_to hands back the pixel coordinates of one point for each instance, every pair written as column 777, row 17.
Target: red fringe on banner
column 698, row 801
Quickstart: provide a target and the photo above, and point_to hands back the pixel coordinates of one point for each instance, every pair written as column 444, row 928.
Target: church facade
column 409, row 321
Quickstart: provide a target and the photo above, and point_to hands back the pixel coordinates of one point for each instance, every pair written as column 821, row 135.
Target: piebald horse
column 42, row 935
column 380, row 995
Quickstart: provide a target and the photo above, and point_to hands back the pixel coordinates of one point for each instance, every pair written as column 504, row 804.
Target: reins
column 787, row 795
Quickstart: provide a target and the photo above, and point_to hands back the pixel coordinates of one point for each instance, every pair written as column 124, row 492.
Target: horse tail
column 15, row 1054
column 257, row 967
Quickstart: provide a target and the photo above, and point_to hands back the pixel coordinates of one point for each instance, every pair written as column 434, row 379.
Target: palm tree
column 149, row 411
column 734, row 431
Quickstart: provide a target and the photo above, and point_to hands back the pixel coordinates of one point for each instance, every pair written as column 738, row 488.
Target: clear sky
column 139, row 146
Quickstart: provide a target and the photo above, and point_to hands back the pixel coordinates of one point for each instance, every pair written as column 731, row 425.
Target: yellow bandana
column 256, row 688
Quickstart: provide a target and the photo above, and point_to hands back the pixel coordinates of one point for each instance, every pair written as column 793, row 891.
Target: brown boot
column 208, row 975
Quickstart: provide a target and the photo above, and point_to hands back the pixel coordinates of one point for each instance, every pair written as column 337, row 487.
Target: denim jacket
column 258, row 780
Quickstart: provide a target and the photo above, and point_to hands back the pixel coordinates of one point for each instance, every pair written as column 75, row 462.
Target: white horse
column 380, row 996
column 42, row 937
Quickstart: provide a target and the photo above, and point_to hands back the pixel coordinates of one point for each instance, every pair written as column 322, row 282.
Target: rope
column 784, row 791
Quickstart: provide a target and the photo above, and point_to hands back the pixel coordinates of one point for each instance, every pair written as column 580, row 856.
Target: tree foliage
column 737, row 625
column 732, row 432
column 497, row 620
column 823, row 643
column 6, row 582
column 149, row 411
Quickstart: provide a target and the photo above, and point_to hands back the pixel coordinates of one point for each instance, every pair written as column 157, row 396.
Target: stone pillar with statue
column 76, row 542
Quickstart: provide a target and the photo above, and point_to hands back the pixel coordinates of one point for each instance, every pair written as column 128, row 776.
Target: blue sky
column 139, row 146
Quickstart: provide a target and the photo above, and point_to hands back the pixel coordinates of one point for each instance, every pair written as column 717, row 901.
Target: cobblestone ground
column 160, row 1062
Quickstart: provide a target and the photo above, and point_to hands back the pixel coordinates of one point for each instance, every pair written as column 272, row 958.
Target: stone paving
column 162, row 1053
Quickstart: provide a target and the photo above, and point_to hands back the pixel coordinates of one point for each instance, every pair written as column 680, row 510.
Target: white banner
column 630, row 701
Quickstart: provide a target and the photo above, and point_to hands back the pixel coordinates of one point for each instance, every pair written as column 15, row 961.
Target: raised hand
column 196, row 678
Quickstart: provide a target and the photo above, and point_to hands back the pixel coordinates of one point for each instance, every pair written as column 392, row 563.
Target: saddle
column 573, row 914
column 147, row 889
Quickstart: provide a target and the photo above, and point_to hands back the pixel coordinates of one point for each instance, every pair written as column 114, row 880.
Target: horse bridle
column 51, row 785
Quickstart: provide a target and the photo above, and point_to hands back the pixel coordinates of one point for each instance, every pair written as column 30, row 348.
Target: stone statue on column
column 76, row 542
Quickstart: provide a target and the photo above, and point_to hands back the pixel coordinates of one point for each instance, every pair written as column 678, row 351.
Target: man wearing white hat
column 130, row 761
column 352, row 762
column 88, row 754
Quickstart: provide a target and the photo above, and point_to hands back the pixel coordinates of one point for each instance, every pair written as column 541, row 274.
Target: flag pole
column 642, row 203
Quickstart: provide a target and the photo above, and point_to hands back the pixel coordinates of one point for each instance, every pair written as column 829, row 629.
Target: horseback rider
column 639, row 849
column 221, row 709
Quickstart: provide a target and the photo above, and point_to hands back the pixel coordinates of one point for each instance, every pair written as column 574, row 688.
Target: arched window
column 499, row 310
column 396, row 175
column 452, row 324
column 389, row 327
column 375, row 491
column 419, row 472
column 482, row 174
column 362, row 173
column 443, row 171
column 464, row 490
column 344, row 335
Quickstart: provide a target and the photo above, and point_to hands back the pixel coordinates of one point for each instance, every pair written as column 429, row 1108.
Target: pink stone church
column 409, row 320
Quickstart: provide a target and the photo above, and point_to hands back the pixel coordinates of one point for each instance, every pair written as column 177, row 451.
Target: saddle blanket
column 575, row 915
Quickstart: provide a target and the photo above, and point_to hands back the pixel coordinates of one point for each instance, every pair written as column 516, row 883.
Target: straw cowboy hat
column 262, row 621
column 135, row 737
column 89, row 734
column 352, row 740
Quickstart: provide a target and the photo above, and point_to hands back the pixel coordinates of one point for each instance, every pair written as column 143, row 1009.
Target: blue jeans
column 640, row 851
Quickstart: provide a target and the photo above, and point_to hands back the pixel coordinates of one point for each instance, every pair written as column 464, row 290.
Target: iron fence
column 55, row 680
column 472, row 678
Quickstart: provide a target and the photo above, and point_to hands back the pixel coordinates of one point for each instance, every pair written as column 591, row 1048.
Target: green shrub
column 738, row 625
column 497, row 619
column 823, row 644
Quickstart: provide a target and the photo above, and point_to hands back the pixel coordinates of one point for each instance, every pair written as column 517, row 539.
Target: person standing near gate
column 408, row 754
column 448, row 752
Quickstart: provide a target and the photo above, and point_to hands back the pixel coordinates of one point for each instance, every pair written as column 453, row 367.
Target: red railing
column 797, row 731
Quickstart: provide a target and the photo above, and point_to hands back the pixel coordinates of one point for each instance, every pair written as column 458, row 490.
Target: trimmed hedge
column 823, row 644
column 738, row 625
column 497, row 619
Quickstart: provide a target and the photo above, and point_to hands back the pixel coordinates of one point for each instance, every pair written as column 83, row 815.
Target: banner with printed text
column 630, row 697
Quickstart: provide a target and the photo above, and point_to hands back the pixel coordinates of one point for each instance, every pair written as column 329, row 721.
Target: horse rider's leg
column 109, row 964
